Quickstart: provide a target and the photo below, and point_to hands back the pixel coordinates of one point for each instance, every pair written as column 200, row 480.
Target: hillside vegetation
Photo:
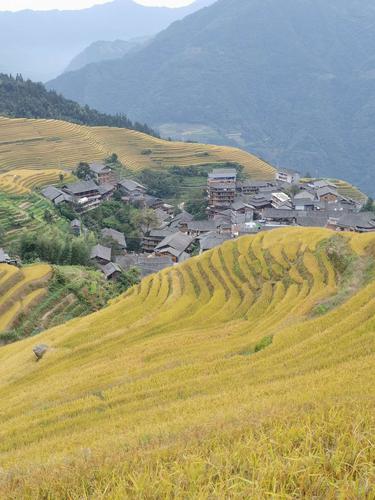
column 39, row 296
column 291, row 81
column 21, row 214
column 246, row 372
column 50, row 144
column 20, row 290
column 21, row 98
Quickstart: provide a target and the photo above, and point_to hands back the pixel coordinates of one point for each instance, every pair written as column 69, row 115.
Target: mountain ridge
column 291, row 83
column 40, row 44
column 103, row 50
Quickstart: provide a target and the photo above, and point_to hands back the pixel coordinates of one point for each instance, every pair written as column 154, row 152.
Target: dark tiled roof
column 239, row 205
column 147, row 265
column 161, row 215
column 212, row 240
column 82, row 187
column 222, row 173
column 115, row 235
column 131, row 185
column 313, row 221
column 51, row 192
column 178, row 241
column 326, row 190
column 274, row 213
column 98, row 168
column 161, row 233
column 101, row 252
column 362, row 220
column 150, row 201
column 110, row 269
column 202, row 225
column 322, row 183
column 303, row 201
column 182, row 218
column 62, row 197
column 106, row 188
column 304, row 195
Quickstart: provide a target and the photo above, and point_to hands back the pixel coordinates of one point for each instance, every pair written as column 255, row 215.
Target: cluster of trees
column 162, row 184
column 55, row 248
column 21, row 98
column 197, row 206
column 191, row 171
column 369, row 206
column 131, row 221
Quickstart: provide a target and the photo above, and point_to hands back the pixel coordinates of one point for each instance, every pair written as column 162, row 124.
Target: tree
column 24, row 98
column 2, row 234
column 369, row 205
column 113, row 158
column 83, row 171
column 146, row 220
column 294, row 190
column 48, row 217
column 126, row 279
column 197, row 207
column 61, row 177
column 160, row 184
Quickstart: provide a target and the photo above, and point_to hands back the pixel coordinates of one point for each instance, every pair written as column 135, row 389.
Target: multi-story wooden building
column 221, row 188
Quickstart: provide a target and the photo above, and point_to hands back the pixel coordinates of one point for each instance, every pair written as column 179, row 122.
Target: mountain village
column 235, row 207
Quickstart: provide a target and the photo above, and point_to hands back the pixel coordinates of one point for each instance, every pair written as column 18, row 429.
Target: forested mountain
column 21, row 98
column 104, row 51
column 41, row 44
column 292, row 81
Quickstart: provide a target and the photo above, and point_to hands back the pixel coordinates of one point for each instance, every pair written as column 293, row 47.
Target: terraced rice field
column 25, row 213
column 72, row 291
column 20, row 290
column 211, row 379
column 349, row 191
column 345, row 189
column 51, row 144
column 23, row 181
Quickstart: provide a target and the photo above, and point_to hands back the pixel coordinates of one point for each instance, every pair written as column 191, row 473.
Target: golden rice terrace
column 244, row 373
column 45, row 144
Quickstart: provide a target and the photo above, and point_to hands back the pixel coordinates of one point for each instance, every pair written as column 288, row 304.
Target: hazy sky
column 77, row 4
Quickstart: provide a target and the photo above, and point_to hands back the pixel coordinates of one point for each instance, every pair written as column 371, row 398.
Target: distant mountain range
column 292, row 81
column 105, row 51
column 41, row 44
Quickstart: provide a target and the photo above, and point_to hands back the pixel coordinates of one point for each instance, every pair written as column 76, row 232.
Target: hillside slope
column 51, row 144
column 292, row 81
column 39, row 296
column 20, row 290
column 21, row 98
column 245, row 373
column 40, row 44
